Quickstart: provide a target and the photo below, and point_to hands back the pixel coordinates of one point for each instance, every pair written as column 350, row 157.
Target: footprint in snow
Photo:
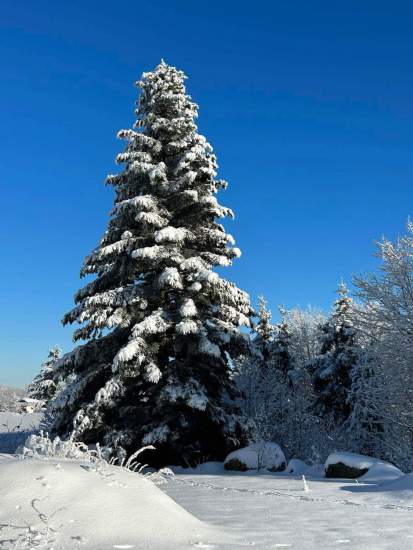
column 79, row 539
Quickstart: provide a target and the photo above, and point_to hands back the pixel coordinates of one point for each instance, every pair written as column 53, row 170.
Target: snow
column 153, row 374
column 198, row 401
column 298, row 467
column 265, row 511
column 209, row 348
column 381, row 471
column 261, row 455
column 148, row 252
column 132, row 349
column 193, row 263
column 171, row 234
column 187, row 326
column 15, row 428
column 157, row 435
column 151, row 218
column 400, row 484
column 95, row 507
column 152, row 324
column 188, row 309
column 170, row 278
column 65, row 504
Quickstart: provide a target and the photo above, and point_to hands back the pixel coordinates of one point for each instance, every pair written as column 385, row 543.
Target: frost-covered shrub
column 41, row 446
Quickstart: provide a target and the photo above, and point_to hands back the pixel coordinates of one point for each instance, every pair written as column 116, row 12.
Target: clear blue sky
column 309, row 106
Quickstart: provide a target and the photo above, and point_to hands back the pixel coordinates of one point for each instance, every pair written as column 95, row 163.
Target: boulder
column 261, row 455
column 349, row 465
column 342, row 470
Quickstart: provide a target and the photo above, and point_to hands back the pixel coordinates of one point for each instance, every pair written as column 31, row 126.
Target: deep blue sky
column 307, row 104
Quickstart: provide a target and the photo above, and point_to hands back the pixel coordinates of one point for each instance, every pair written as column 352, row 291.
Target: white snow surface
column 15, row 428
column 272, row 510
column 263, row 455
column 68, row 504
column 80, row 506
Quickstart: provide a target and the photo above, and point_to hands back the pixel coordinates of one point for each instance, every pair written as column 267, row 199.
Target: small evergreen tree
column 332, row 369
column 161, row 325
column 44, row 385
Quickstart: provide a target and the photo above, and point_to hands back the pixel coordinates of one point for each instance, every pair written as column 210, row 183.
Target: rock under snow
column 297, row 467
column 70, row 504
column 262, row 455
column 351, row 465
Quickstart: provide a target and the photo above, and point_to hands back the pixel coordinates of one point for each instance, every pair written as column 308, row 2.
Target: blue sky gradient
column 307, row 104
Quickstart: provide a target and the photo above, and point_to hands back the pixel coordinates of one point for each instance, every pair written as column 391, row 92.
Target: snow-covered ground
column 64, row 504
column 61, row 504
column 15, row 428
column 273, row 510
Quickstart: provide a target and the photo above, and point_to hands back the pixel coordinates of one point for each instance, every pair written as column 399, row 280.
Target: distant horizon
column 308, row 108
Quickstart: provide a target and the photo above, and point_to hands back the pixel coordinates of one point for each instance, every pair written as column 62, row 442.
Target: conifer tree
column 160, row 325
column 281, row 356
column 44, row 385
column 261, row 357
column 332, row 368
column 254, row 367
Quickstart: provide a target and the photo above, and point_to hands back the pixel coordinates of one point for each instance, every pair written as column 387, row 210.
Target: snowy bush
column 41, row 446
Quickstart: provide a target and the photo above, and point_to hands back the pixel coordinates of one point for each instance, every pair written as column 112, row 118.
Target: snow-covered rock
column 351, row 465
column 297, row 467
column 68, row 504
column 261, row 455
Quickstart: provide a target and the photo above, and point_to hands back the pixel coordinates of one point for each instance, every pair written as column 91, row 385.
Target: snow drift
column 67, row 503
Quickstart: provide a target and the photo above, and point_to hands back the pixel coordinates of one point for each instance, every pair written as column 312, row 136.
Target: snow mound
column 65, row 504
column 381, row 472
column 402, row 483
column 351, row 465
column 298, row 467
column 261, row 455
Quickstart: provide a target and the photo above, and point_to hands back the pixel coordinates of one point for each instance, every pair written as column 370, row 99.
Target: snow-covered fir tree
column 332, row 368
column 45, row 385
column 253, row 368
column 161, row 326
column 281, row 356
